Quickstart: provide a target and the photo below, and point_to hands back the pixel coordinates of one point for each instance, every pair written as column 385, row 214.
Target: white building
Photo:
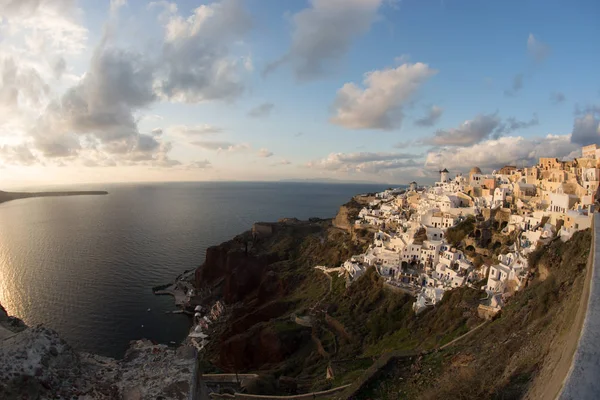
column 562, row 202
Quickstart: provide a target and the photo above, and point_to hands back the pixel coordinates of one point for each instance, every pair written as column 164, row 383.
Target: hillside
column 511, row 357
column 266, row 286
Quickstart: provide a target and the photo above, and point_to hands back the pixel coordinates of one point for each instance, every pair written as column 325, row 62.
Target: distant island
column 7, row 196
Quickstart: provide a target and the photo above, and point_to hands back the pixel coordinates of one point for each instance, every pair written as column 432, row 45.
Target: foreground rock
column 35, row 363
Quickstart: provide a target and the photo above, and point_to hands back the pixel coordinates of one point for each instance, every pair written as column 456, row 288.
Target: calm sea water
column 85, row 265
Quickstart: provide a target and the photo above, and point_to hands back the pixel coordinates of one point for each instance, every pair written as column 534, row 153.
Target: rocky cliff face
column 348, row 213
column 343, row 219
column 35, row 363
column 241, row 273
column 265, row 279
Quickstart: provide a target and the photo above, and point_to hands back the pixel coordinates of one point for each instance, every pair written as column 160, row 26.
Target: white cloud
column 537, row 50
column 379, row 104
column 20, row 86
column 364, row 162
column 431, row 118
column 262, row 110
column 96, row 119
column 17, row 155
column 221, row 146
column 508, row 150
column 322, row 34
column 195, row 130
column 45, row 25
column 101, row 106
column 197, row 64
column 265, row 153
column 205, row 164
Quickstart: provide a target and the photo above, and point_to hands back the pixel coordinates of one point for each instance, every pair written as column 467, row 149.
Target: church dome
column 475, row 170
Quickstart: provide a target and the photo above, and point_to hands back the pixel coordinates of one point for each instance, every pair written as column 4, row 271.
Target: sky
column 366, row 90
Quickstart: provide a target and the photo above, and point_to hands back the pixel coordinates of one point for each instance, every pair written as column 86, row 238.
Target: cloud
column 168, row 7
column 557, row 97
column 512, row 124
column 221, row 146
column 405, row 143
column 283, row 161
column 586, row 127
column 195, row 130
column 402, row 59
column 20, row 86
column 96, row 119
column 298, row 134
column 45, row 25
column 364, row 162
column 59, row 67
column 379, row 104
column 588, row 109
column 196, row 63
column 467, row 133
column 115, row 5
column 17, row 155
column 101, row 106
column 199, row 165
column 432, row 117
column 483, row 126
column 262, row 110
column 517, row 85
column 265, row 153
column 323, row 33
column 536, row 49
column 96, row 115
column 507, row 150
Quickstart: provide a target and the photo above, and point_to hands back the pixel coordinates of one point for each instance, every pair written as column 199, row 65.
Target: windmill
column 444, row 175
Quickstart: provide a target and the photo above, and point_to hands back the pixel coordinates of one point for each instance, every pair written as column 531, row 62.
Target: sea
column 85, row 265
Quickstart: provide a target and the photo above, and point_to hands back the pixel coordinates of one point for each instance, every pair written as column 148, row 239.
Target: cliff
column 348, row 212
column 268, row 280
column 35, row 363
